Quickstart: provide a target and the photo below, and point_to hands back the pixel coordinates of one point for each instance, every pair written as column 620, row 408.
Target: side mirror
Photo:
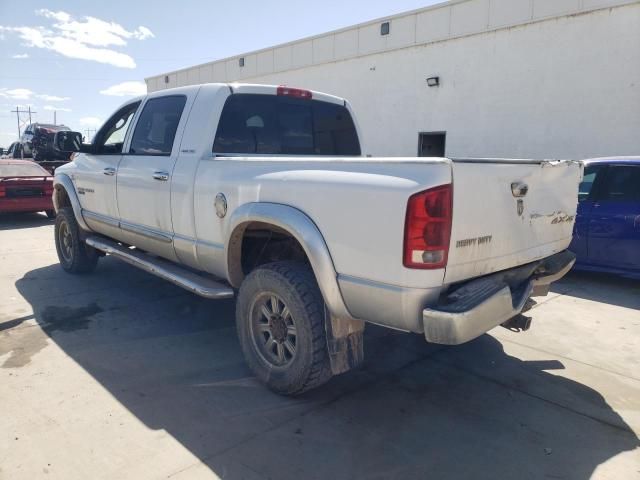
column 66, row 141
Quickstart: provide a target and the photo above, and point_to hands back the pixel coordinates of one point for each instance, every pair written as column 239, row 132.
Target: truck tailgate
column 509, row 212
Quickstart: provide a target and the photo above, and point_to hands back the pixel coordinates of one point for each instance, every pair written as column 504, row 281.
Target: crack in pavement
column 348, row 392
column 538, row 397
column 379, row 378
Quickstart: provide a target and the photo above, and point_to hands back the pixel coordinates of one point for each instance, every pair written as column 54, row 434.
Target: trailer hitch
column 519, row 323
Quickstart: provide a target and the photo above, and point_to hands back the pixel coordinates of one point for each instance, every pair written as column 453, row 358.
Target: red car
column 25, row 187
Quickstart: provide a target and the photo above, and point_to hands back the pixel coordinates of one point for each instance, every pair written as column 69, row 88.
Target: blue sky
column 85, row 58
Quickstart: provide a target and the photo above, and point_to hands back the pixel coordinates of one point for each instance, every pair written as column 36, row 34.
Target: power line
column 17, row 111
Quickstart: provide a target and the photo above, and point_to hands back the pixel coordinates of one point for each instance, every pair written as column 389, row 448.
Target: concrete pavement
column 119, row 375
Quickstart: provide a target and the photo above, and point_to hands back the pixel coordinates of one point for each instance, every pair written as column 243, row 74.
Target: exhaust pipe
column 519, row 323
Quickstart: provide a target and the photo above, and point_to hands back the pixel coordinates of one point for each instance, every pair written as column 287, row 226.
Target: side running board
column 200, row 285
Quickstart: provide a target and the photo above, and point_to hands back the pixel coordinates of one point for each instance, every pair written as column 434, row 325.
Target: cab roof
column 238, row 88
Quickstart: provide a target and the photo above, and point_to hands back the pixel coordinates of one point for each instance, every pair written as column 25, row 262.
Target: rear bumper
column 485, row 303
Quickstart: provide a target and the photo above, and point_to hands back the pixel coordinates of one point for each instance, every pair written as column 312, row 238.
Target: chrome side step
column 202, row 286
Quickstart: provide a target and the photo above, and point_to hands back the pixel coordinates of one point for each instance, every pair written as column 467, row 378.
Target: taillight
column 48, row 188
column 427, row 228
column 3, row 192
column 294, row 92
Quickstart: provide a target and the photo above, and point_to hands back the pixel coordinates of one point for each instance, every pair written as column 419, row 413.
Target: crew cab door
column 95, row 174
column 144, row 174
column 614, row 226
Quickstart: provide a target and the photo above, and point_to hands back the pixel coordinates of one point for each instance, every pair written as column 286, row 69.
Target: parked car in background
column 25, row 187
column 14, row 151
column 607, row 229
column 37, row 141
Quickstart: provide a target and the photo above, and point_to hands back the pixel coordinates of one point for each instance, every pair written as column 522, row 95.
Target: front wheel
column 280, row 316
column 75, row 256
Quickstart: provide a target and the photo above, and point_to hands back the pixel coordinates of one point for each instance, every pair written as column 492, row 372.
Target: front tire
column 74, row 255
column 280, row 318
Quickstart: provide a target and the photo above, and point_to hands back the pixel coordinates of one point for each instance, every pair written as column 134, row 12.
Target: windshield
column 53, row 127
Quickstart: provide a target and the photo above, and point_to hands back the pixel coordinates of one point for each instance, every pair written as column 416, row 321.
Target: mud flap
column 344, row 342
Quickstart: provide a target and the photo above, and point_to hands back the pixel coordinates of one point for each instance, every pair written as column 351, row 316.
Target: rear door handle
column 161, row 176
column 109, row 171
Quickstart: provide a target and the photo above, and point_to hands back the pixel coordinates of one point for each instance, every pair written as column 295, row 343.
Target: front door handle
column 109, row 171
column 161, row 176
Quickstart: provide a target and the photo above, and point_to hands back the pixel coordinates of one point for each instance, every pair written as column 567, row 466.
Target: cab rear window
column 278, row 125
column 22, row 170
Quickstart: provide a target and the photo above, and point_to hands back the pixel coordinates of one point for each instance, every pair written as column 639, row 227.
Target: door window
column 157, row 126
column 622, row 184
column 586, row 186
column 110, row 139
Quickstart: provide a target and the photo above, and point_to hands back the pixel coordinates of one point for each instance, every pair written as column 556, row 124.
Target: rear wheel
column 50, row 213
column 75, row 256
column 280, row 319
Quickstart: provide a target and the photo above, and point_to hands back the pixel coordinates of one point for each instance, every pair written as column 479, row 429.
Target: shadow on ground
column 413, row 411
column 14, row 221
column 621, row 291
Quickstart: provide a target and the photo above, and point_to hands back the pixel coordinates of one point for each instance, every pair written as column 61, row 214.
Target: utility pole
column 90, row 132
column 54, row 117
column 17, row 111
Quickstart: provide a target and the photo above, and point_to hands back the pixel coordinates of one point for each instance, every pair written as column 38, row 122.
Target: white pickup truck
column 263, row 192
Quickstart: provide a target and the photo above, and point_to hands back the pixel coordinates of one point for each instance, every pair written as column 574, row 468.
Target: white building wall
column 519, row 78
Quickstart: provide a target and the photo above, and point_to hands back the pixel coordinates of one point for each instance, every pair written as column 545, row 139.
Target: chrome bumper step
column 487, row 302
column 198, row 284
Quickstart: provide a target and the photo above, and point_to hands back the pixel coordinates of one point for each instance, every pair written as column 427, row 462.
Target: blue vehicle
column 607, row 230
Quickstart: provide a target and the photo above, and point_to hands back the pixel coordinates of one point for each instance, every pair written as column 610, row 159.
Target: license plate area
column 24, row 192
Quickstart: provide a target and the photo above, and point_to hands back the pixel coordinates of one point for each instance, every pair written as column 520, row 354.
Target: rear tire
column 280, row 315
column 50, row 213
column 74, row 255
